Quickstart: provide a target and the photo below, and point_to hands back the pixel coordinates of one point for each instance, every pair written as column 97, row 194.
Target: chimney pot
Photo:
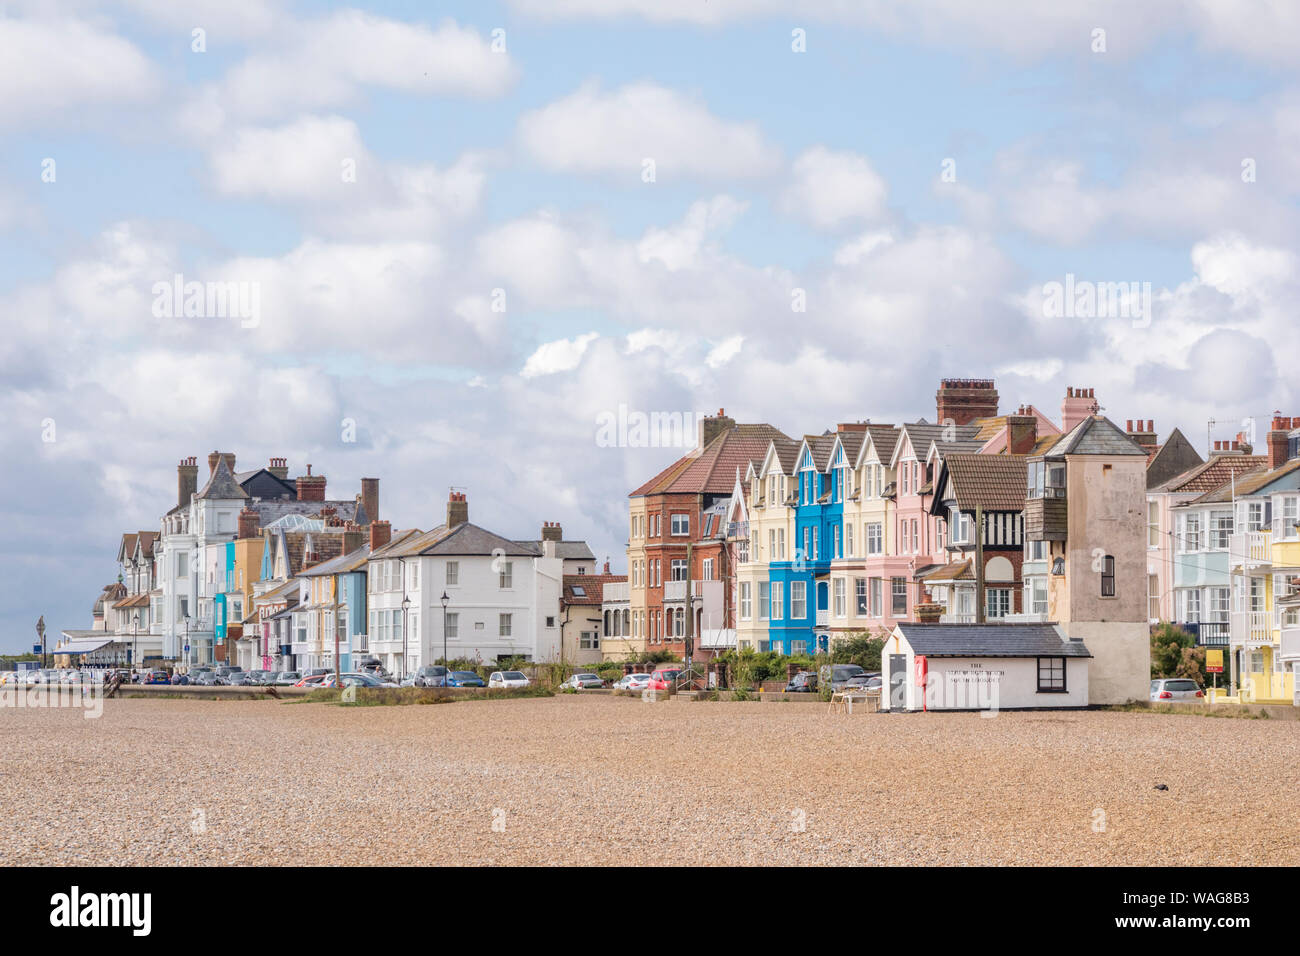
column 457, row 509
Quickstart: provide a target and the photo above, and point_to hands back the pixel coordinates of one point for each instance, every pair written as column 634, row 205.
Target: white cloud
column 724, row 351
column 829, row 188
column 594, row 131
column 562, row 355
column 329, row 62
column 50, row 66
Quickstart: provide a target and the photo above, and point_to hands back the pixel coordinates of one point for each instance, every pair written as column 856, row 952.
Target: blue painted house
column 800, row 587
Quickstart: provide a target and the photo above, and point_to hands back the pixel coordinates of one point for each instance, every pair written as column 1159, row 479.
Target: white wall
column 974, row 683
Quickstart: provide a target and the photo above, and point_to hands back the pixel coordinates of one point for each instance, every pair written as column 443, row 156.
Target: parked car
column 207, row 679
column 431, row 675
column 465, row 679
column 353, row 679
column 179, row 679
column 662, row 678
column 584, row 681
column 502, row 679
column 842, row 673
column 287, row 678
column 157, row 676
column 242, row 679
column 314, row 680
column 1175, row 689
column 633, row 682
column 804, row 682
column 863, row 682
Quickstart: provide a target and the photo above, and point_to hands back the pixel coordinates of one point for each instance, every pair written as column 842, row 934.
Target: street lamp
column 406, row 639
column 135, row 638
column 40, row 632
column 444, row 600
column 189, row 662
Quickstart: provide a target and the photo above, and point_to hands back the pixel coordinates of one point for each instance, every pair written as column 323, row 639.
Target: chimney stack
column 187, row 480
column 1279, row 441
column 250, row 523
column 370, row 497
column 551, row 531
column 711, row 426
column 353, row 537
column 381, row 532
column 457, row 509
column 963, row 400
column 279, row 467
column 1079, row 404
column 1143, row 432
column 217, row 456
column 311, row 487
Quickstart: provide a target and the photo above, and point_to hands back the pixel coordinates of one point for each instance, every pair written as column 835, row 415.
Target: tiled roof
column 990, row 640
column 821, row 447
column 852, row 440
column 787, row 453
column 955, row 571
column 127, row 547
column 1246, row 484
column 991, row 482
column 145, row 541
column 398, row 542
column 883, row 439
column 273, row 509
column 593, row 586
column 922, row 433
column 222, row 484
column 1211, row 474
column 712, row 470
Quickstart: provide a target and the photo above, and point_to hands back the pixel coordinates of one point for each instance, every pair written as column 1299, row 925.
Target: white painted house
column 503, row 596
column 985, row 667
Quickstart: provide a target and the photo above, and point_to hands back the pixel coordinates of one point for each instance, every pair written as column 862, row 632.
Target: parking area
column 602, row 779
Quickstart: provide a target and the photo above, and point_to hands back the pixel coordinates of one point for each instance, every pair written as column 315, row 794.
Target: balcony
column 1252, row 627
column 614, row 592
column 958, row 617
column 676, row 590
column 823, row 618
column 1251, row 549
column 1208, row 633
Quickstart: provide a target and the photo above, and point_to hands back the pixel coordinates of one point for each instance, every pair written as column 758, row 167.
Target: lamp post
column 40, row 632
column 444, row 599
column 135, row 638
column 406, row 607
column 189, row 663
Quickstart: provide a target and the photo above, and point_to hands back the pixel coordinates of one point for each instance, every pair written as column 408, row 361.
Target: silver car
column 1169, row 689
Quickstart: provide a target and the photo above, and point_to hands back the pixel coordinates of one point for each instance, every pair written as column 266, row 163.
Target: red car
column 314, row 680
column 662, row 678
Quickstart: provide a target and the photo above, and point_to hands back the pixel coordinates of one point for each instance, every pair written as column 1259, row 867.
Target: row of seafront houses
column 1011, row 531
column 1087, row 533
column 262, row 570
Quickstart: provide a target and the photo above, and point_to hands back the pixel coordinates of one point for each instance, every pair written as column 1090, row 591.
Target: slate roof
column 821, row 447
column 470, row 539
column 1209, row 475
column 852, row 440
column 222, row 484
column 712, row 470
column 353, row 561
column 273, row 509
column 592, row 584
column 568, row 550
column 991, row 640
column 991, row 482
column 922, row 433
column 1095, row 435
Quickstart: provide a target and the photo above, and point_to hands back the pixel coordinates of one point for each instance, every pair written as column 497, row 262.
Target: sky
column 468, row 233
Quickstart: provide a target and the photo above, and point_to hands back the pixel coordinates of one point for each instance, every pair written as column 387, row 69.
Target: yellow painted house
column 1264, row 550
